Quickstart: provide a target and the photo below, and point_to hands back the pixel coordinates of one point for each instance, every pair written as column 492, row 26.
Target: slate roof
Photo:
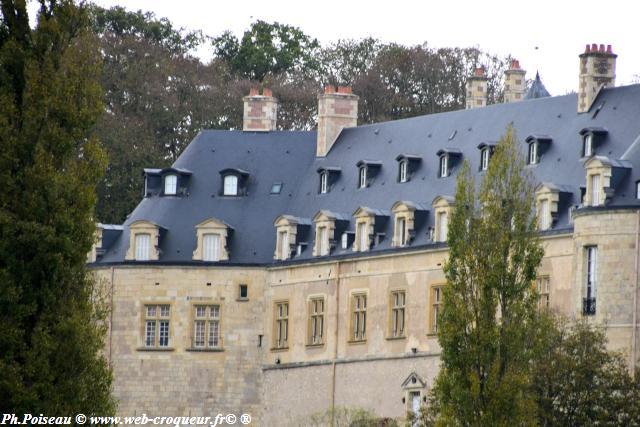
column 537, row 89
column 289, row 157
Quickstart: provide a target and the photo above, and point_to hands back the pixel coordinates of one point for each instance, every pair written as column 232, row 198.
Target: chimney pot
column 267, row 92
column 254, row 91
column 344, row 89
column 609, row 50
column 602, row 48
column 479, row 71
column 587, row 49
column 594, row 47
column 329, row 89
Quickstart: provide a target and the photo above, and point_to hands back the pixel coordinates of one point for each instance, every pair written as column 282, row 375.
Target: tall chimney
column 337, row 109
column 477, row 89
column 597, row 70
column 514, row 84
column 260, row 111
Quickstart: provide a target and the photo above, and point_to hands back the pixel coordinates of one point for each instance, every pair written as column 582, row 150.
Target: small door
column 415, row 402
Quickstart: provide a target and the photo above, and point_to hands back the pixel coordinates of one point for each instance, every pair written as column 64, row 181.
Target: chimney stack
column 260, row 111
column 514, row 83
column 477, row 89
column 597, row 70
column 337, row 109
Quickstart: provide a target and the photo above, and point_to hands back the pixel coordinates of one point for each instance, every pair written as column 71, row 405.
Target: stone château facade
column 284, row 273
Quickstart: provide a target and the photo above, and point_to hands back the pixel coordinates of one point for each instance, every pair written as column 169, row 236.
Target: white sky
column 560, row 29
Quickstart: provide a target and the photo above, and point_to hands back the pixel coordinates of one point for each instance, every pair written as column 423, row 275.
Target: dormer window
column 484, row 159
column 211, row 240
column 234, row 182
column 328, row 226
column 362, row 177
column 444, row 166
column 448, row 158
column 230, row 185
column 442, row 208
column 407, row 166
column 285, row 249
column 594, row 181
column 324, row 182
column 291, row 233
column 591, row 138
column 408, row 216
column 344, row 241
column 532, row 158
column 538, row 145
column 403, row 171
column 170, row 185
column 144, row 239
column 367, row 171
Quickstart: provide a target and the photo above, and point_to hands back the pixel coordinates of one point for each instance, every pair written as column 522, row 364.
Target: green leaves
column 50, row 164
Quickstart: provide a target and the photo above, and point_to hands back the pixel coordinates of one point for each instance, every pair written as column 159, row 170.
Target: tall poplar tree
column 50, row 97
column 489, row 319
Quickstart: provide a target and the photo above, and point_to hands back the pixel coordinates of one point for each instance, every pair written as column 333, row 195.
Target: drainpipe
column 335, row 346
column 632, row 364
column 113, row 271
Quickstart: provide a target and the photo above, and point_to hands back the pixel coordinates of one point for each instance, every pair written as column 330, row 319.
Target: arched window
column 170, row 185
column 230, row 185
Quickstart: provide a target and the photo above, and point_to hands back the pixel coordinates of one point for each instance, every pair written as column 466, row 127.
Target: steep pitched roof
column 289, row 157
column 537, row 89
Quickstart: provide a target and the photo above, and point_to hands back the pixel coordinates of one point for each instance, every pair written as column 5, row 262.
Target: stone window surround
column 596, row 166
column 325, row 219
column 364, row 215
column 539, row 143
column 275, row 305
column 390, row 312
column 410, row 387
column 596, row 136
column 432, row 287
column 212, row 226
column 309, row 339
column 144, row 227
column 441, row 204
column 288, row 224
column 352, row 295
column 192, row 308
column 551, row 194
column 406, row 211
column 142, row 328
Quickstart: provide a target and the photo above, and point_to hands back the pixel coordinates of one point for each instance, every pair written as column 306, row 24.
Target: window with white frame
column 359, row 317
column 589, row 303
column 316, row 321
column 443, row 226
column 397, row 314
column 595, row 190
column 404, row 171
column 401, row 231
column 436, row 304
column 323, row 241
column 143, row 247
column 444, row 166
column 206, row 326
column 281, row 325
column 637, row 189
column 362, row 177
column 285, row 249
column 587, row 145
column 543, row 287
column 324, row 182
column 230, row 187
column 156, row 325
column 363, row 237
column 532, row 157
column 484, row 159
column 545, row 215
column 170, row 185
column 211, row 247
column 344, row 241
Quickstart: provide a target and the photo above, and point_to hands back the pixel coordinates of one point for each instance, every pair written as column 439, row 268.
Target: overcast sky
column 559, row 29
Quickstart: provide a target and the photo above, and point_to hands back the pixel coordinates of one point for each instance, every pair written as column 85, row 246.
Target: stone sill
column 279, row 349
column 242, row 299
column 155, row 349
column 204, row 350
column 314, row 345
column 395, row 338
column 357, row 342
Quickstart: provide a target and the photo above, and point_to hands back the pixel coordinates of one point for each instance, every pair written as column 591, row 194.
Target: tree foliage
column 50, row 97
column 490, row 307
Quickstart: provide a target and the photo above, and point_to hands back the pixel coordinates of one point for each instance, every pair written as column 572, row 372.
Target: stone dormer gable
column 144, row 241
column 550, row 200
column 442, row 208
column 291, row 232
column 328, row 227
column 212, row 240
column 408, row 217
column 368, row 226
column 603, row 175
